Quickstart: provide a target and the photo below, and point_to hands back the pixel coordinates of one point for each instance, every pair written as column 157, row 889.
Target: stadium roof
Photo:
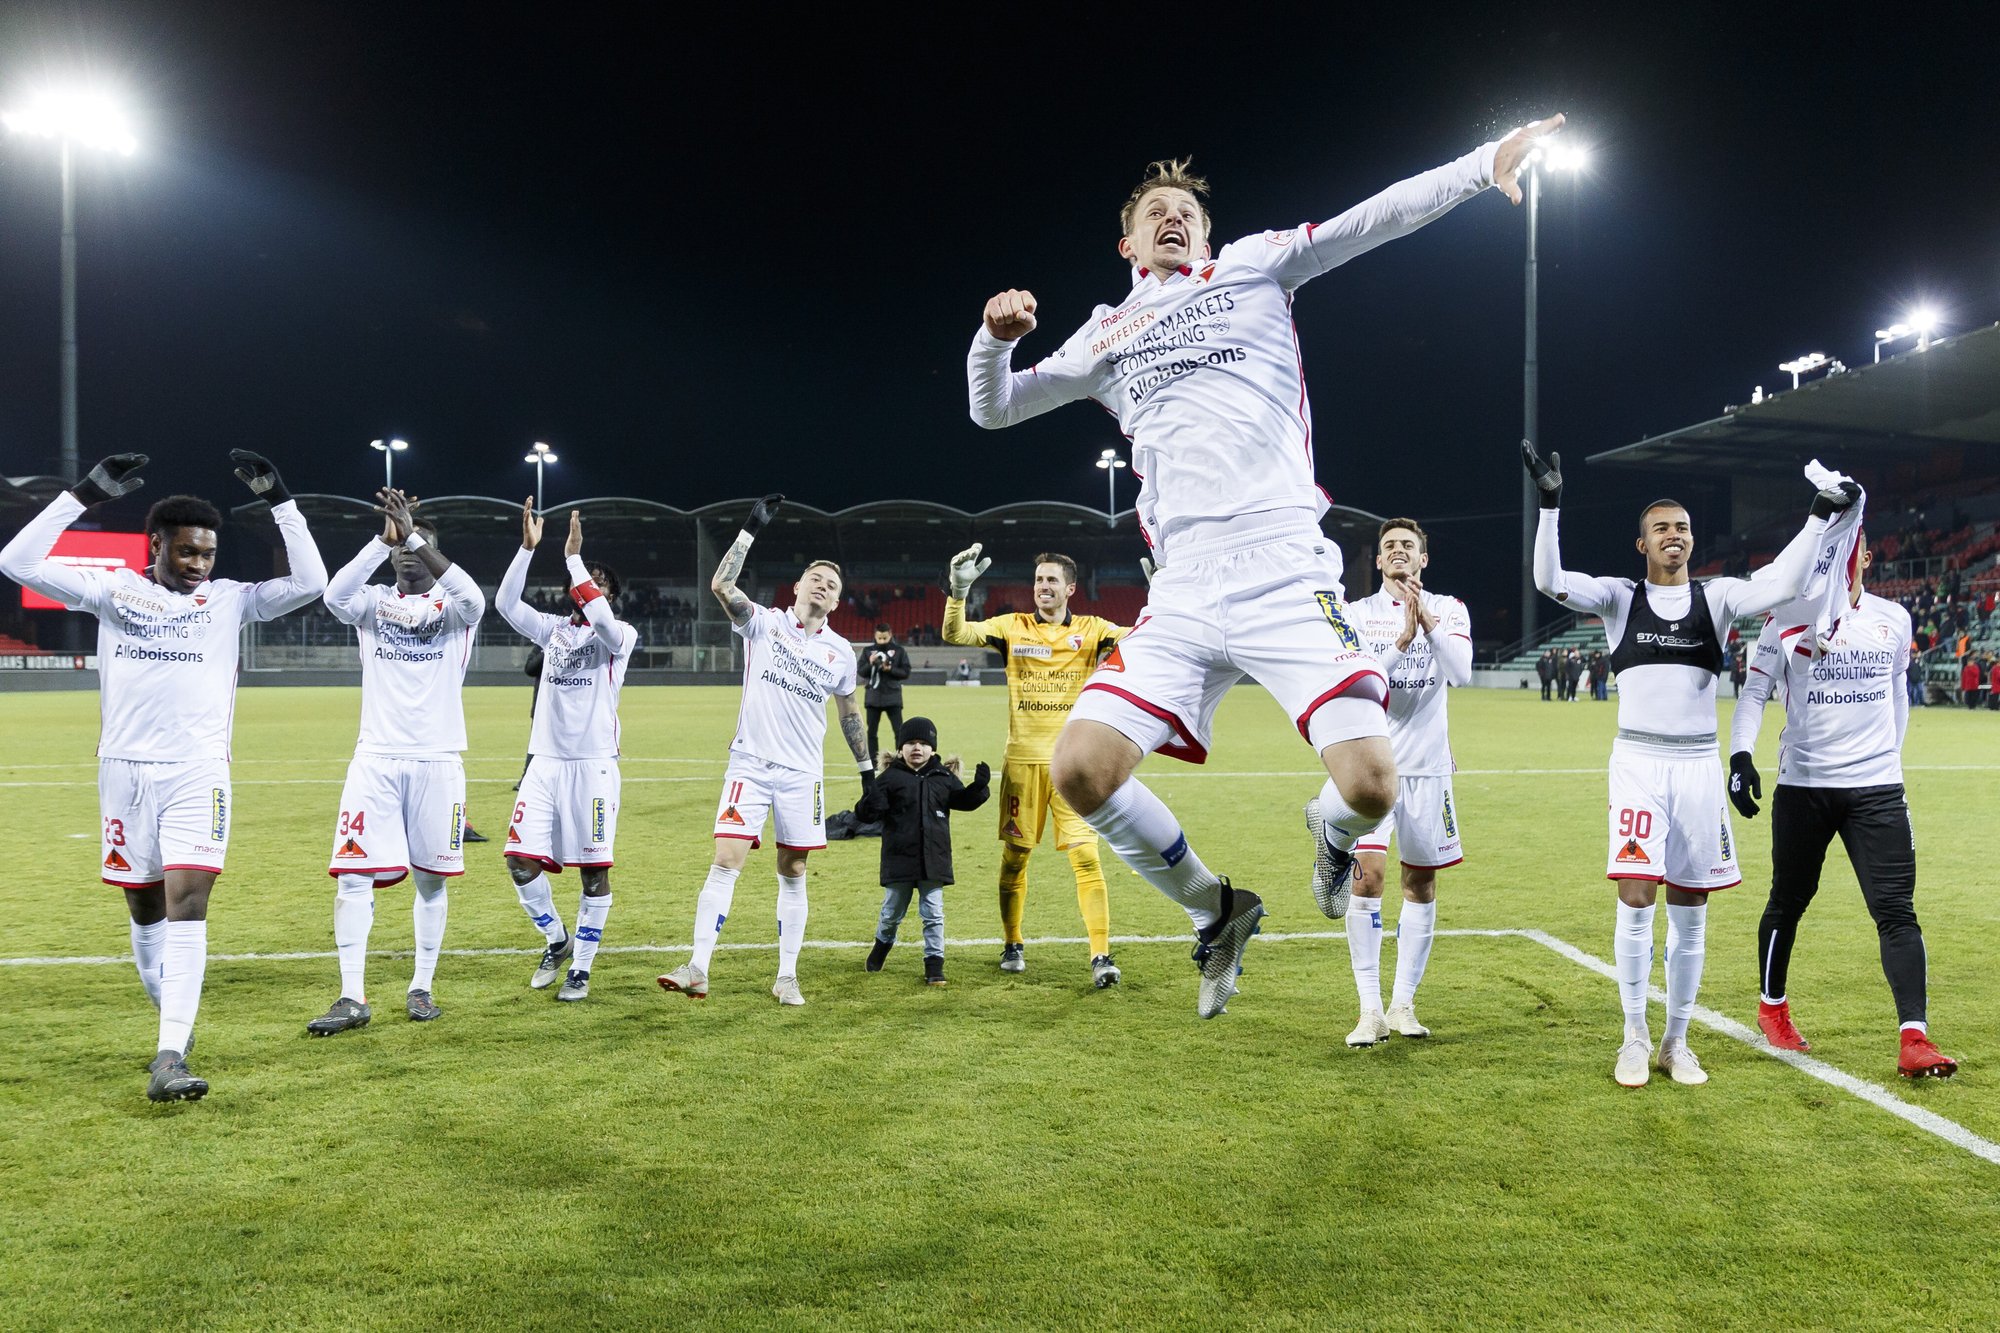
column 1946, row 395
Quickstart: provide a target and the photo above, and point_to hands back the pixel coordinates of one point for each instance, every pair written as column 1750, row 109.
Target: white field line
column 1929, row 1121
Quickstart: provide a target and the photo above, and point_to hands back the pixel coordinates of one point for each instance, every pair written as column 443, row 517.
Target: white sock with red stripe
column 1339, row 823
column 711, row 909
column 353, row 917
column 538, row 900
column 1687, row 949
column 148, row 942
column 1148, row 838
column 590, row 915
column 1416, row 927
column 183, row 962
column 1632, row 955
column 427, row 913
column 1364, row 950
column 791, row 923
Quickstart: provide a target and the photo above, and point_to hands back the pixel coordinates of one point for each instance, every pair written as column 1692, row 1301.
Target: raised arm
column 1000, row 395
column 960, row 575
column 25, row 559
column 1579, row 592
column 347, row 591
column 528, row 622
column 1787, row 577
column 734, row 600
column 468, row 603
column 972, row 796
column 306, row 578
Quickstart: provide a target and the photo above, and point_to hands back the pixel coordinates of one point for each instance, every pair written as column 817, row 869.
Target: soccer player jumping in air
column 402, row 808
column 1201, row 366
column 166, row 660
column 1668, row 821
column 792, row 662
column 567, row 814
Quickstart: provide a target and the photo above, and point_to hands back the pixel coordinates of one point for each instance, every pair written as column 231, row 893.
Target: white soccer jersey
column 414, row 651
column 1203, row 370
column 583, row 666
column 1671, row 699
column 1846, row 707
column 1417, row 676
column 787, row 676
column 166, row 659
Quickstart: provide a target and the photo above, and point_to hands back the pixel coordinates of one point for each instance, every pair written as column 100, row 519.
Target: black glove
column 981, row 776
column 868, row 781
column 763, row 512
column 1836, row 500
column 110, row 479
column 1546, row 473
column 256, row 472
column 1744, row 784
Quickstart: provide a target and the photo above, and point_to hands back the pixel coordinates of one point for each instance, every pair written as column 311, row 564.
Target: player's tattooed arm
column 849, row 707
column 723, row 585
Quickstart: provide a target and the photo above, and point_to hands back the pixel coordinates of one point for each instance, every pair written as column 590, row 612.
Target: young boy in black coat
column 913, row 798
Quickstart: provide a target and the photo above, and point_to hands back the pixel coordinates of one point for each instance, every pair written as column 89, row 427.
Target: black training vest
column 1652, row 641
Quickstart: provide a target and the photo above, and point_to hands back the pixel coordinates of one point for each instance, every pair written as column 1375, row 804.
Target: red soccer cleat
column 1922, row 1059
column 1776, row 1021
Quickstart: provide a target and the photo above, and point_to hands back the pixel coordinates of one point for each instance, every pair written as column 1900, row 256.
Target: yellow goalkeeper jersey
column 1047, row 664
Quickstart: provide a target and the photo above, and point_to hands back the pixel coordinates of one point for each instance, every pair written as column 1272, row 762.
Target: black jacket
column 885, row 683
column 915, row 808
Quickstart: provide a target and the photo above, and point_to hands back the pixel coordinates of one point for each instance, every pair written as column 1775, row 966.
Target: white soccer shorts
column 396, row 814
column 566, row 813
column 161, row 817
column 753, row 790
column 1264, row 606
column 1669, row 820
column 1425, row 825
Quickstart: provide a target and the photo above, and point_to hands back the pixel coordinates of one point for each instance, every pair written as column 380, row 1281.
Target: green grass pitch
column 1010, row 1152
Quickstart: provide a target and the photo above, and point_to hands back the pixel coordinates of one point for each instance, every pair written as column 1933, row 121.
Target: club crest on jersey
column 218, row 814
column 1335, row 612
column 458, row 826
column 597, row 819
column 1450, row 823
column 350, row 851
column 1632, row 854
column 1076, row 643
column 730, row 816
column 117, row 862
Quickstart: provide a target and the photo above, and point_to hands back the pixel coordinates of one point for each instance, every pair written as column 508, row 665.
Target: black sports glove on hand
column 981, row 776
column 110, row 479
column 1835, row 501
column 1744, row 784
column 1546, row 473
column 762, row 513
column 868, row 780
column 256, row 472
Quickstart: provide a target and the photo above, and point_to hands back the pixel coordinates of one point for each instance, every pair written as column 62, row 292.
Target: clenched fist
column 1010, row 316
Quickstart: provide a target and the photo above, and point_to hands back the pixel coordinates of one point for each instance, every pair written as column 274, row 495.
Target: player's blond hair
column 1167, row 174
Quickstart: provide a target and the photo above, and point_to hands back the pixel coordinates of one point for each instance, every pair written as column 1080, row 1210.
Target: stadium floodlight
column 1921, row 322
column 389, row 448
column 1550, row 153
column 1110, row 462
column 541, row 456
column 1804, row 365
column 73, row 118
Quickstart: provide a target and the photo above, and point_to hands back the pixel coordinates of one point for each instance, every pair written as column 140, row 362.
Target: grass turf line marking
column 1929, row 1121
column 1879, row 1097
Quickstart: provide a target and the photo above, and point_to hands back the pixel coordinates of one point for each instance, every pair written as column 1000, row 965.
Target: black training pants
column 1874, row 826
column 875, row 727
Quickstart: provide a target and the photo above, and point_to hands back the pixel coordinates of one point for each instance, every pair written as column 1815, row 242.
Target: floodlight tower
column 1548, row 155
column 73, row 118
column 389, row 448
column 1111, row 463
column 541, row 456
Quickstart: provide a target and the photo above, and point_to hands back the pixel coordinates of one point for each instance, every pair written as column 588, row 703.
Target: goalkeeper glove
column 966, row 567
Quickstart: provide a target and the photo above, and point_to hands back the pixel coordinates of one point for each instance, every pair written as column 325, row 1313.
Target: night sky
column 708, row 262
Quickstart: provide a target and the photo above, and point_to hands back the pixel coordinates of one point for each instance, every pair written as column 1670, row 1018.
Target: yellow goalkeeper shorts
column 1027, row 799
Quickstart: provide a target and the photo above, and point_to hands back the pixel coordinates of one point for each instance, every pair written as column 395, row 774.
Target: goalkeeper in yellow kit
column 1050, row 652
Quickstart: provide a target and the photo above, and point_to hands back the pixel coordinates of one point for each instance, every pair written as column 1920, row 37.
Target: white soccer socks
column 427, row 913
column 183, row 962
column 590, row 916
column 1416, row 927
column 711, row 909
column 1632, row 954
column 1364, row 950
column 1147, row 837
column 1687, row 949
column 539, row 902
column 1340, row 825
column 353, row 917
column 148, row 942
column 791, row 923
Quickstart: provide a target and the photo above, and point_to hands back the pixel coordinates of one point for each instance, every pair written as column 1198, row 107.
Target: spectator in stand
column 1600, row 677
column 884, row 665
column 1968, row 679
column 1917, row 699
column 1545, row 667
column 1572, row 674
column 1737, row 670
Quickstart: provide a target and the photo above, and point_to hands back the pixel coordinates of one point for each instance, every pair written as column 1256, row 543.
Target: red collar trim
column 1185, row 270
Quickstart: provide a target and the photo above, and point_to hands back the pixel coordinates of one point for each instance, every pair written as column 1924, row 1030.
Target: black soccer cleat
column 344, row 1014
column 421, row 1008
column 171, row 1081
